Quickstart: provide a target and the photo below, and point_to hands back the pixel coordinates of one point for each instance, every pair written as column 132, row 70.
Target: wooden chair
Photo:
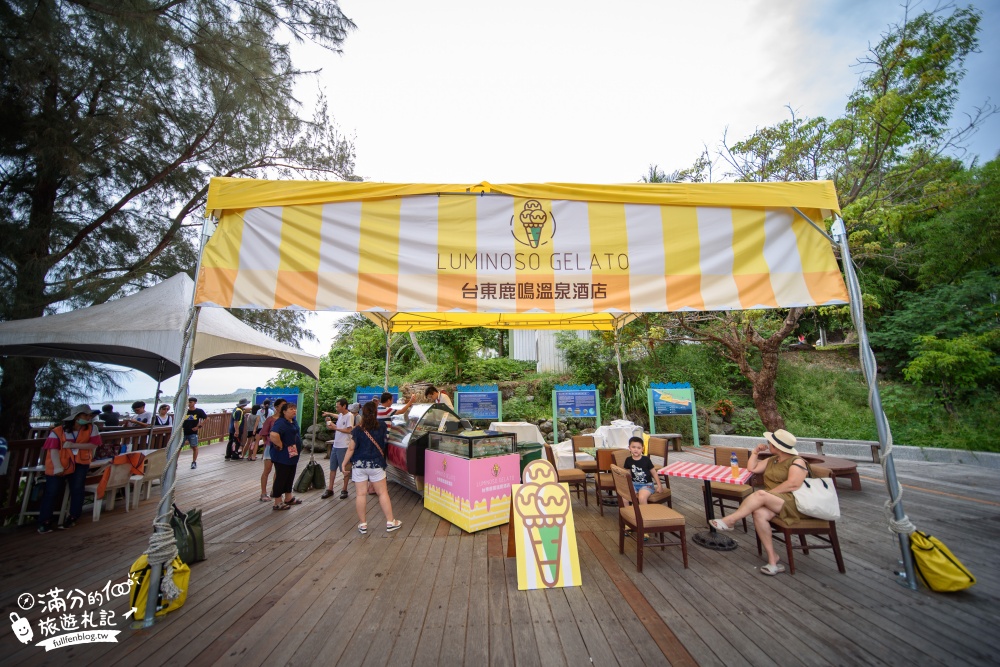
column 579, row 442
column 118, row 478
column 825, row 531
column 665, row 496
column 723, row 491
column 603, row 481
column 658, row 447
column 572, row 476
column 645, row 520
column 156, row 464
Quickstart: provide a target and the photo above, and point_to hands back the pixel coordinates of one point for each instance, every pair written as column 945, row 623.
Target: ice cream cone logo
column 444, row 464
column 544, row 505
column 496, row 469
column 532, row 219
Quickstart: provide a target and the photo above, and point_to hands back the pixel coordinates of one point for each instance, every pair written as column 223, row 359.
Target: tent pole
column 388, row 336
column 156, row 402
column 621, row 379
column 899, row 523
column 163, row 537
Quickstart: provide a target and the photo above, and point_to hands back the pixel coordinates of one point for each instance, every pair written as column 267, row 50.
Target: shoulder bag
column 376, row 445
column 817, row 497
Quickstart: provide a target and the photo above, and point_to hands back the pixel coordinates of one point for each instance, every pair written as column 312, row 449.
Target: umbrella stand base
column 714, row 541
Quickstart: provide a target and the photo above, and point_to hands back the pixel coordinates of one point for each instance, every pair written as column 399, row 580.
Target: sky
column 584, row 91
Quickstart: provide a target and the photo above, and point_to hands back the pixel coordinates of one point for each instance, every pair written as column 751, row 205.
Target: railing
column 26, row 453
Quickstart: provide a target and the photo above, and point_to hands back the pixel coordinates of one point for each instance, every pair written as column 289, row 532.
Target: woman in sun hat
column 784, row 472
column 68, row 452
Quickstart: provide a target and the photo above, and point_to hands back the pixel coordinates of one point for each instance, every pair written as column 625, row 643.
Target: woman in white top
column 163, row 416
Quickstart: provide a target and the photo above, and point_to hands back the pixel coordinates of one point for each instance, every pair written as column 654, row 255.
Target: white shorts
column 367, row 474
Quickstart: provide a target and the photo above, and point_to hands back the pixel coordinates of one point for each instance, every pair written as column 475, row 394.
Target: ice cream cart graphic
column 544, row 532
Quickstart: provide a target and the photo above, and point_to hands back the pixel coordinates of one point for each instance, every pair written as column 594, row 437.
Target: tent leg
column 901, row 523
column 156, row 402
column 621, row 379
column 388, row 336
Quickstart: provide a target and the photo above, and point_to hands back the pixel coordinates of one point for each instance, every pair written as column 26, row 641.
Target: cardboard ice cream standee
column 541, row 533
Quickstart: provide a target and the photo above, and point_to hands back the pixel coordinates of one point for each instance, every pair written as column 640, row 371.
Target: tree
column 886, row 156
column 113, row 116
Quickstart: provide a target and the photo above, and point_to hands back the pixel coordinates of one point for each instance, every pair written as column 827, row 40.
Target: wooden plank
column 477, row 649
column 404, row 646
column 432, row 633
column 501, row 635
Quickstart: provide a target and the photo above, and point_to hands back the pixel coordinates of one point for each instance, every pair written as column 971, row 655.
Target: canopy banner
column 490, row 253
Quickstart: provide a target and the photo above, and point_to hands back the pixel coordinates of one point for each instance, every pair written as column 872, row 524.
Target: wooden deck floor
column 303, row 587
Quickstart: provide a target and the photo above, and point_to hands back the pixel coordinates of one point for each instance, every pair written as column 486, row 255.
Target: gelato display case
column 468, row 477
column 409, row 437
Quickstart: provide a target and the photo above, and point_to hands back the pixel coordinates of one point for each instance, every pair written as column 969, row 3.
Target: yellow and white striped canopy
column 524, row 252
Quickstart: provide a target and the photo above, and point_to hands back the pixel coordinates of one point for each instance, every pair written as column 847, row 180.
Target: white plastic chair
column 156, row 464
column 118, row 478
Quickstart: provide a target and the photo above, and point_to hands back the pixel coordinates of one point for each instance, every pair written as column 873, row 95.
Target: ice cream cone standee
column 543, row 530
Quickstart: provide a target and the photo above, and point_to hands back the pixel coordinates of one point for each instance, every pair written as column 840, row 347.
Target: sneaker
column 68, row 523
column 43, row 528
column 343, row 495
column 194, row 464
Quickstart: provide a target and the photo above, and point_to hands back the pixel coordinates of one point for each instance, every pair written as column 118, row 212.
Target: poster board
column 290, row 394
column 544, row 533
column 479, row 402
column 672, row 399
column 575, row 402
column 364, row 394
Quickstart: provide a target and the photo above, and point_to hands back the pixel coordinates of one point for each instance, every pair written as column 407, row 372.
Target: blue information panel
column 576, row 403
column 364, row 394
column 478, row 404
column 292, row 395
column 670, row 402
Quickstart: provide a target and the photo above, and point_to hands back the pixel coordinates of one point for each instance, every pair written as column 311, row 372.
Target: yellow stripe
column 223, row 249
column 748, row 241
column 682, row 255
column 300, row 234
column 244, row 193
column 379, row 243
column 609, row 235
column 456, row 243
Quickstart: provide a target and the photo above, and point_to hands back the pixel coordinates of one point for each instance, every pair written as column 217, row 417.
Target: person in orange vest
column 67, row 451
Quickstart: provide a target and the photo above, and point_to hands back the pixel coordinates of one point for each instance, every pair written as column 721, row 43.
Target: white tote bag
column 817, row 497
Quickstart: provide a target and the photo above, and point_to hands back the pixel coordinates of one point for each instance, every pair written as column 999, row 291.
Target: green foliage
column 957, row 366
column 945, row 311
column 966, row 236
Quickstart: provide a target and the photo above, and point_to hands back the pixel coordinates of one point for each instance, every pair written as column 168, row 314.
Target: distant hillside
column 233, row 397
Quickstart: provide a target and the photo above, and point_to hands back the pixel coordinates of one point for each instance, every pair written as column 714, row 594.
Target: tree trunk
column 16, row 393
column 765, row 391
column 416, row 348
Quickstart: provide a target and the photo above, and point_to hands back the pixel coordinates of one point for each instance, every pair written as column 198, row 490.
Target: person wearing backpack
column 236, row 431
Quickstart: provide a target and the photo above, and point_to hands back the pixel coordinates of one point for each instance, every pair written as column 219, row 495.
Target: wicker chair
column 575, row 478
column 723, row 491
column 645, row 520
column 579, row 442
column 825, row 531
column 665, row 496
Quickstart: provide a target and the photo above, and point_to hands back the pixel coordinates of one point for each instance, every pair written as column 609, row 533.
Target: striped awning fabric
column 512, row 250
column 706, row 471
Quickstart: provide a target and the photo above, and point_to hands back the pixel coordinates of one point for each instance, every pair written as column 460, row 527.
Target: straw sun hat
column 782, row 440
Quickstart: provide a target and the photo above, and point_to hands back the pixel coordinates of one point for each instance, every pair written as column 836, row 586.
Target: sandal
column 771, row 570
column 363, row 528
column 264, row 497
column 294, row 501
column 282, row 506
column 719, row 525
column 394, row 525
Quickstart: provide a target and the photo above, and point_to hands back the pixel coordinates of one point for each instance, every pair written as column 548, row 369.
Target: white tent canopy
column 141, row 330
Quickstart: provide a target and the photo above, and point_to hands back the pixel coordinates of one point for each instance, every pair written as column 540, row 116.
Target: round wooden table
column 839, row 468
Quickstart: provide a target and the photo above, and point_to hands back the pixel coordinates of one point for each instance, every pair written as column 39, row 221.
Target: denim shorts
column 337, row 456
column 640, row 487
column 191, row 439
